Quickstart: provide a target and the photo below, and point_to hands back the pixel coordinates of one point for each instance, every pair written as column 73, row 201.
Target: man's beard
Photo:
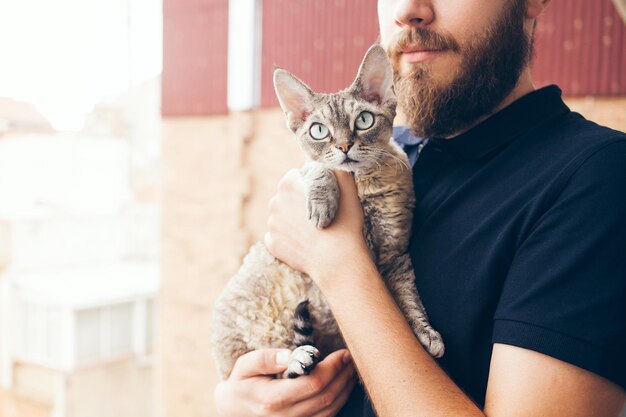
column 491, row 64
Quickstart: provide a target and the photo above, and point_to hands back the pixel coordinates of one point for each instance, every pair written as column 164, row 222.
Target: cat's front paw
column 322, row 210
column 432, row 341
column 302, row 361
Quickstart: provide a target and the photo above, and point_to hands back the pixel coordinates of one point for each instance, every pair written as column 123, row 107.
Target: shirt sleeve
column 565, row 294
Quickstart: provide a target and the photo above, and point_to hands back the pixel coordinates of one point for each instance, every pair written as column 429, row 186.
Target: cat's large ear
column 294, row 96
column 374, row 81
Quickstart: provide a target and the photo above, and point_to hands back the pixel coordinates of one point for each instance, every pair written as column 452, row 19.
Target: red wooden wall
column 195, row 42
column 580, row 45
column 321, row 41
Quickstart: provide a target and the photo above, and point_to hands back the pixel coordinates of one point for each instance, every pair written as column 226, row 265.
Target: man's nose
column 344, row 147
column 414, row 13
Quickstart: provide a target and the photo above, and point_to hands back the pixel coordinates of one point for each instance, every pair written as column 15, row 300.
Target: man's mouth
column 412, row 55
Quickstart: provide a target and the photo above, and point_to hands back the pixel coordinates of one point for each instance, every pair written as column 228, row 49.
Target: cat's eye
column 364, row 121
column 318, row 131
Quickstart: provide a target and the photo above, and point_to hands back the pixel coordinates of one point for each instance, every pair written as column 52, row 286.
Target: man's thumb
column 261, row 362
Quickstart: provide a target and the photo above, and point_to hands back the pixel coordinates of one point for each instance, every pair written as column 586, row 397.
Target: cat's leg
column 400, row 280
column 305, row 356
column 322, row 193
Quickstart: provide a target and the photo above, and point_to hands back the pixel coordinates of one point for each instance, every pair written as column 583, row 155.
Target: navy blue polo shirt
column 519, row 237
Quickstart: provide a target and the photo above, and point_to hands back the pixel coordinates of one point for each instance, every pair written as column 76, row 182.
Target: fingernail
column 282, row 357
column 347, row 358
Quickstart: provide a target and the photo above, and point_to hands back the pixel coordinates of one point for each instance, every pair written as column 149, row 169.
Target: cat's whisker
column 397, row 159
column 382, row 152
column 375, row 160
column 376, row 157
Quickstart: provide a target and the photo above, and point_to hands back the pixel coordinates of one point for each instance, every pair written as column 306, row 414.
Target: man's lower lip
column 419, row 56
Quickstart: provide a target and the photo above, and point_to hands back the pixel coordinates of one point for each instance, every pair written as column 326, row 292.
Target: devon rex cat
column 269, row 305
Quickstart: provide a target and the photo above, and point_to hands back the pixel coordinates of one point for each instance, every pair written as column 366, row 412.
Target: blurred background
column 140, row 141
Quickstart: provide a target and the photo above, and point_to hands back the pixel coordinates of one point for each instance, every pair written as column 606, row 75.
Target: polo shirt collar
column 521, row 116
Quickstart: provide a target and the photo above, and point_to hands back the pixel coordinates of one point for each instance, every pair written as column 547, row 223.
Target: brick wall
column 607, row 111
column 195, row 45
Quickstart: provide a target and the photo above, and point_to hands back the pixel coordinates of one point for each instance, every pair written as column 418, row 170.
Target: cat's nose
column 344, row 147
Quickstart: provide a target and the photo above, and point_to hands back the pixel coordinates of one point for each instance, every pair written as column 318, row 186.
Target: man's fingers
column 332, row 397
column 347, row 185
column 339, row 401
column 348, row 196
column 261, row 362
column 289, row 180
column 301, row 388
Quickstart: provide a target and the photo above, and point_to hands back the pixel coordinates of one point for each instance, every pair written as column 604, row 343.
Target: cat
column 267, row 304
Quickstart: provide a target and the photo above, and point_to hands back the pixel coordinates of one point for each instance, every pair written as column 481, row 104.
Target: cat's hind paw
column 432, row 341
column 302, row 361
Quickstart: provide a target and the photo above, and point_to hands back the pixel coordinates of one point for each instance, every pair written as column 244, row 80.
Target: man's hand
column 293, row 238
column 252, row 391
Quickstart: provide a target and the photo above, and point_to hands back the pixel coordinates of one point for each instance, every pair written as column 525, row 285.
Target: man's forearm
column 401, row 377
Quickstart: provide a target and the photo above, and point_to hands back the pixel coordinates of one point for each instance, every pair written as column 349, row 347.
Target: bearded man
column 518, row 246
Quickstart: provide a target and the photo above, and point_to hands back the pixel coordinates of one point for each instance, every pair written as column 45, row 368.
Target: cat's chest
column 387, row 217
column 376, row 215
